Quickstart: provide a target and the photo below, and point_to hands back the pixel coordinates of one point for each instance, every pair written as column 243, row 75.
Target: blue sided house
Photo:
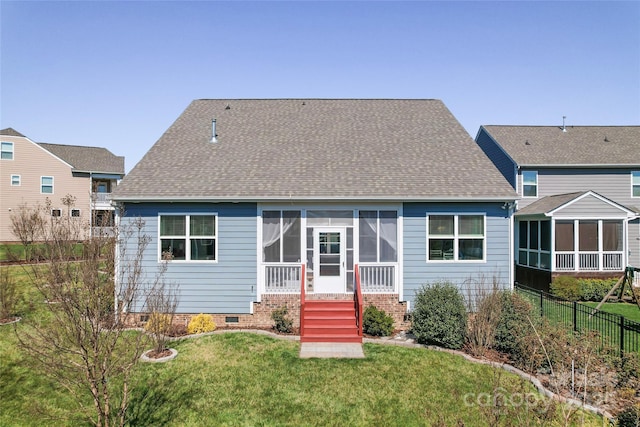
column 320, row 205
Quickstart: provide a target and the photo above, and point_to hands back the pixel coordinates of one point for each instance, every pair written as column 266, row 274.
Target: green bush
column 282, row 322
column 566, row 287
column 439, row 316
column 629, row 417
column 514, row 325
column 376, row 322
column 200, row 324
column 595, row 289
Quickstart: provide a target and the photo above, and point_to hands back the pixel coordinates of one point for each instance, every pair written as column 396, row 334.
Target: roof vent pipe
column 214, row 135
column 564, row 128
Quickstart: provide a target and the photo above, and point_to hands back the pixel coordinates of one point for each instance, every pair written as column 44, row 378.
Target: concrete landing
column 328, row 350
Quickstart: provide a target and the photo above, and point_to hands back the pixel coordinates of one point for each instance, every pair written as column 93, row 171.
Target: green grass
column 244, row 379
column 630, row 311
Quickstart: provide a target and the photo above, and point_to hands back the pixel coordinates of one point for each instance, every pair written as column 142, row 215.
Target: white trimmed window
column 529, row 184
column 455, row 238
column 189, row 237
column 56, row 213
column 46, row 185
column 75, row 213
column 15, row 180
column 635, row 184
column 6, row 150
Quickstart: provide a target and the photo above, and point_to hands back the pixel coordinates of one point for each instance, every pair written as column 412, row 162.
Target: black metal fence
column 615, row 331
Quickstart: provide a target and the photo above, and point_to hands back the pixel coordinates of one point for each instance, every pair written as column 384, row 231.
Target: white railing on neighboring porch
column 378, row 278
column 282, row 278
column 589, row 261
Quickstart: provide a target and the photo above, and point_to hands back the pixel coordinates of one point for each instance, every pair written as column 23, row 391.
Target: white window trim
column 12, row 151
column 537, row 185
column 632, row 184
column 52, row 184
column 187, row 238
column 456, row 237
column 56, row 209
column 71, row 213
column 19, row 180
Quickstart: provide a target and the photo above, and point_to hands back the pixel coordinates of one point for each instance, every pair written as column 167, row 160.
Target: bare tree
column 161, row 303
column 83, row 341
column 27, row 224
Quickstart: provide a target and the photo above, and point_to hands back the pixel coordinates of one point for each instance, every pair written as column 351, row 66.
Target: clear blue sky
column 117, row 74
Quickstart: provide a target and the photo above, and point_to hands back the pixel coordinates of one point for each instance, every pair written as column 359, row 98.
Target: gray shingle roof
column 315, row 149
column 87, row 159
column 11, row 132
column 549, row 203
column 579, row 145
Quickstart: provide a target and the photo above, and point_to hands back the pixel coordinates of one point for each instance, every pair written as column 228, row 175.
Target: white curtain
column 271, row 232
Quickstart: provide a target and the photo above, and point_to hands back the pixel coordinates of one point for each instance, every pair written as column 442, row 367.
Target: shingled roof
column 11, row 132
column 577, row 146
column 315, row 149
column 87, row 159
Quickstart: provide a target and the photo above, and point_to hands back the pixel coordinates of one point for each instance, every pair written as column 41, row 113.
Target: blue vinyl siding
column 417, row 271
column 227, row 286
column 500, row 159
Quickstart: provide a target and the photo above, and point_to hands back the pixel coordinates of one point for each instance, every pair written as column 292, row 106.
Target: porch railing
column 589, row 261
column 101, row 197
column 282, row 279
column 357, row 300
column 378, row 278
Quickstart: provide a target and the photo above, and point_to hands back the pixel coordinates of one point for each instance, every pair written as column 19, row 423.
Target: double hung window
column 189, row 237
column 455, row 237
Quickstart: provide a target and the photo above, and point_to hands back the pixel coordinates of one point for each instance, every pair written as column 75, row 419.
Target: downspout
column 512, row 260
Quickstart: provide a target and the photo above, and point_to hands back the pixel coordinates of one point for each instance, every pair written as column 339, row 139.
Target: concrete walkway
column 327, row 350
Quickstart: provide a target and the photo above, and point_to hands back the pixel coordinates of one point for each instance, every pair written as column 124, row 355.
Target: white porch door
column 329, row 250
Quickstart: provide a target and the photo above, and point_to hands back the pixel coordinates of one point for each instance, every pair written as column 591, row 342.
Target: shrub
column 595, row 289
column 514, row 325
column 376, row 322
column 282, row 322
column 158, row 323
column 200, row 324
column 484, row 322
column 629, row 417
column 439, row 315
column 566, row 287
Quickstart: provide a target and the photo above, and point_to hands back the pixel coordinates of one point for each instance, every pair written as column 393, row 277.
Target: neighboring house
column 31, row 173
column 245, row 195
column 580, row 206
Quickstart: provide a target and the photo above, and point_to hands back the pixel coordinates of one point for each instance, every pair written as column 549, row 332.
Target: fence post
column 575, row 316
column 621, row 335
column 541, row 303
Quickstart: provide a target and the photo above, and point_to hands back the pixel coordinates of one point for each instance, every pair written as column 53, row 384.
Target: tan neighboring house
column 31, row 173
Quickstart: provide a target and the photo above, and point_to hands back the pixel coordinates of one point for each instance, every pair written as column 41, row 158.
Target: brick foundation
column 261, row 317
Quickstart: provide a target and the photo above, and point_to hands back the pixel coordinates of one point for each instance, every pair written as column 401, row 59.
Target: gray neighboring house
column 580, row 197
column 244, row 195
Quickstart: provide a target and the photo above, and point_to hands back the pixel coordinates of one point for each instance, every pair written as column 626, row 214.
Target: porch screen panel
column 545, row 235
column 388, row 236
column 271, row 236
column 291, row 236
column 368, row 221
column 612, row 236
column 564, row 236
column 588, row 235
